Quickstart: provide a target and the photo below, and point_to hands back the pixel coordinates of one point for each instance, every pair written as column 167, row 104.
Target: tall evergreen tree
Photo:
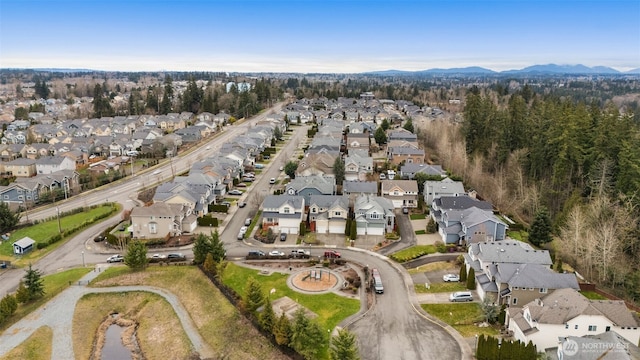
column 167, row 97
column 409, row 126
column 306, row 335
column 282, row 330
column 201, row 247
column 343, row 346
column 34, row 283
column 8, row 219
column 267, row 316
column 380, row 136
column 338, row 170
column 254, row 298
column 540, row 232
column 463, row 274
column 471, row 279
column 136, row 256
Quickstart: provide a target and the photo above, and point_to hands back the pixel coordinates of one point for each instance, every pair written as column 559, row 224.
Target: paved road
column 58, row 315
column 394, row 328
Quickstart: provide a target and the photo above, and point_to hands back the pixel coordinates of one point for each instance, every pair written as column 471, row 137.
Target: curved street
column 395, row 328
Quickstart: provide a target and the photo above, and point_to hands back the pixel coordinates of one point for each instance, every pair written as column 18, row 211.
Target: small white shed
column 23, row 245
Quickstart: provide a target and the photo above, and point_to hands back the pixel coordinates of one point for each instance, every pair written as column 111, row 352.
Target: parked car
column 272, row 181
column 235, row 192
column 331, row 254
column 450, row 278
column 242, row 204
column 281, row 168
column 255, row 254
column 283, row 236
column 300, row 253
column 383, row 176
column 460, row 296
column 99, row 238
column 176, row 257
column 276, row 253
column 258, row 166
column 405, row 210
column 243, row 229
column 115, row 258
column 247, row 221
column 241, row 185
column 158, row 256
column 240, row 235
column 225, row 203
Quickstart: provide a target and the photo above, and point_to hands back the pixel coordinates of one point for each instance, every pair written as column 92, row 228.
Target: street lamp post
column 58, row 215
column 83, row 263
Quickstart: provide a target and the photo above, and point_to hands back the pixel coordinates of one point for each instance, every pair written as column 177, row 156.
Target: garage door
column 337, row 227
column 322, row 226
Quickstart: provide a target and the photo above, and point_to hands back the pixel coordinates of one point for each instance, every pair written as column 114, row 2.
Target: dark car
column 176, row 257
column 99, row 238
column 283, row 236
column 331, row 254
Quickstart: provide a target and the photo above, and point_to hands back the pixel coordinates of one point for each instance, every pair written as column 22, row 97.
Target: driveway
column 58, row 315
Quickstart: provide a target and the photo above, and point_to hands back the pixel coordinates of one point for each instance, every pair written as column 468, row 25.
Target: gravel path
column 58, row 315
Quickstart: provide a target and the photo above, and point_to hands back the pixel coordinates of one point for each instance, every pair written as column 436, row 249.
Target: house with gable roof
column 445, row 187
column 402, row 193
column 374, row 215
column 566, row 312
column 283, row 213
column 463, row 219
column 306, row 186
column 328, row 213
column 408, row 171
column 357, row 167
column 161, row 219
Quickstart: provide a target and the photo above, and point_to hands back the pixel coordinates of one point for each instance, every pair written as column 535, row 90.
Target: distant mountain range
column 535, row 69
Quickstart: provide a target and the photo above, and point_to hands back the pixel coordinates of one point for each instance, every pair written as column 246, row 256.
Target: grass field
column 417, row 216
column 440, row 287
column 420, row 232
column 36, row 347
column 217, row 320
column 435, row 266
column 412, row 252
column 331, row 308
column 593, row 295
column 461, row 317
column 43, row 231
column 53, row 285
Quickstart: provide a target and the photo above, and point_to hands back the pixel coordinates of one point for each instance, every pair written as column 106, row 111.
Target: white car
column 115, row 258
column 157, row 256
column 276, row 253
column 451, row 278
column 243, row 229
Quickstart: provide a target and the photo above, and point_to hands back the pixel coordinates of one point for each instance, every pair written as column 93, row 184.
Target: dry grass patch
column 160, row 332
column 217, row 320
column 36, row 347
column 435, row 266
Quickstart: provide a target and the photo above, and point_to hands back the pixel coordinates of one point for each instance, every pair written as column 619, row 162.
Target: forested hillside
column 526, row 152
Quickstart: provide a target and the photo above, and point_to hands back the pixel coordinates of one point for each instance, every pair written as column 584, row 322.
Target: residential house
column 328, row 213
column 408, row 171
column 357, row 141
column 190, row 134
column 401, row 134
column 24, row 195
column 402, row 193
column 283, row 213
column 464, row 220
column 51, row 164
column 566, row 312
column 306, row 186
column 160, row 220
column 405, row 155
column 445, row 187
column 357, row 167
column 320, row 164
column 373, row 215
column 608, row 345
column 20, row 167
column 354, row 188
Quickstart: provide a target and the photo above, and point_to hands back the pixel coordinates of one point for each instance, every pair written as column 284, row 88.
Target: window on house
column 337, row 213
column 514, row 301
column 287, row 210
column 575, row 327
column 566, row 326
column 592, row 328
column 153, row 228
column 608, row 328
column 543, row 290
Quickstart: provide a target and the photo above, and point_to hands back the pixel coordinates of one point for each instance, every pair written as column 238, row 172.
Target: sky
column 310, row 36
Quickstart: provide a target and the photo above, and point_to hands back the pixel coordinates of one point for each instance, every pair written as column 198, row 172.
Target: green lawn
column 53, row 285
column 440, row 287
column 331, row 308
column 413, row 253
column 417, row 216
column 420, row 232
column 461, row 316
column 592, row 295
column 43, row 231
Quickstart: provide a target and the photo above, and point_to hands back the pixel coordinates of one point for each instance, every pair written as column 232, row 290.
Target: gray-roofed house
column 357, row 167
column 607, row 345
column 354, row 188
column 50, row 164
column 402, row 193
column 408, row 171
column 566, row 312
column 311, row 185
column 283, row 213
column 465, row 220
column 444, row 187
column 408, row 155
column 328, row 213
column 374, row 215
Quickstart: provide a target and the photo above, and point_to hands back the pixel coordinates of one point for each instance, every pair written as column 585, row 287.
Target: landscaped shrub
column 208, row 220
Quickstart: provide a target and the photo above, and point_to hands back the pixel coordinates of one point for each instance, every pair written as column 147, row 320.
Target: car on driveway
column 450, row 278
column 242, row 204
column 235, row 192
column 283, row 236
column 405, row 210
column 225, row 203
column 276, row 253
column 115, row 258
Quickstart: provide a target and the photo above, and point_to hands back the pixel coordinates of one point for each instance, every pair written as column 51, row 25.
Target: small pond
column 113, row 348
